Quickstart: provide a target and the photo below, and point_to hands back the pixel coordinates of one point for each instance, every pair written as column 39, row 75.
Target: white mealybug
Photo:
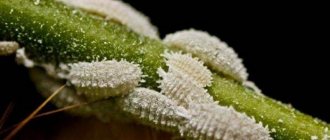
column 184, row 64
column 154, row 109
column 118, row 11
column 210, row 121
column 8, row 47
column 182, row 90
column 209, row 49
column 100, row 80
column 185, row 80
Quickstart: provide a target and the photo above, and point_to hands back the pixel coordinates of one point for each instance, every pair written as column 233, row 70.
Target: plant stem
column 53, row 33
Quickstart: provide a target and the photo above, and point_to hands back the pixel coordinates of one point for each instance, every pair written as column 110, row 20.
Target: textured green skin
column 68, row 37
column 294, row 124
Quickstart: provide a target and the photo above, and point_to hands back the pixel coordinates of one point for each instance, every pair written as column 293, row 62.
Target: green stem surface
column 53, row 33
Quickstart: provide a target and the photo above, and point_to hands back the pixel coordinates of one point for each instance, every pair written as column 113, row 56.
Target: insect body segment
column 182, row 90
column 211, row 50
column 154, row 109
column 100, row 80
column 185, row 80
column 185, row 64
column 210, row 121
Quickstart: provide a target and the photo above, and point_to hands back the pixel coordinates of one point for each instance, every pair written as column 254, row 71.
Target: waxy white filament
column 207, row 120
column 118, row 11
column 154, row 109
column 209, row 49
column 100, row 80
column 185, row 80
column 198, row 121
column 185, row 64
column 211, row 121
column 182, row 90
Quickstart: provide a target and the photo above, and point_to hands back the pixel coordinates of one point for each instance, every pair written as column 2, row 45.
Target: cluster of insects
column 183, row 105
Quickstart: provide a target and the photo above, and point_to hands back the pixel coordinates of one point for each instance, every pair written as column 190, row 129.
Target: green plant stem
column 53, row 33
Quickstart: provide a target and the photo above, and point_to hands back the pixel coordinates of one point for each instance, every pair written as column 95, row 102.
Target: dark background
column 284, row 47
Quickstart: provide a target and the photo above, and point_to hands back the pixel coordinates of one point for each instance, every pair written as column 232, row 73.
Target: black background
column 284, row 47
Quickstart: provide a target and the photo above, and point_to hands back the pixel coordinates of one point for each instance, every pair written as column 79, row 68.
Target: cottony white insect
column 185, row 80
column 154, row 109
column 8, row 47
column 211, row 50
column 157, row 110
column 194, row 69
column 100, row 80
column 210, row 121
column 182, row 90
column 118, row 11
